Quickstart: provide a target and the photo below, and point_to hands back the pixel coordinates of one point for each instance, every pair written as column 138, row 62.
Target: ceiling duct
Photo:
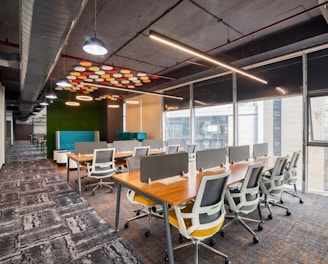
column 45, row 26
column 324, row 9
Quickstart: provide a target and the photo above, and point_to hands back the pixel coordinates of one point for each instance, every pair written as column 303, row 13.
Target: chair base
column 198, row 243
column 147, row 213
column 239, row 219
column 100, row 184
column 273, row 202
column 292, row 193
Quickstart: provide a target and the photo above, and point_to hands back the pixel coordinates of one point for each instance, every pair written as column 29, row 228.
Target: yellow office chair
column 245, row 199
column 291, row 176
column 203, row 217
column 133, row 164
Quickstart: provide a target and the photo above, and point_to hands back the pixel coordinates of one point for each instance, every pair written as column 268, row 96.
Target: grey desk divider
column 89, row 147
column 239, row 153
column 260, row 150
column 153, row 143
column 126, row 145
column 210, row 158
column 156, row 167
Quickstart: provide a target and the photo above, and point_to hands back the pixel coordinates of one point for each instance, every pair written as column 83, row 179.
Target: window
column 318, row 119
column 177, row 125
column 213, row 126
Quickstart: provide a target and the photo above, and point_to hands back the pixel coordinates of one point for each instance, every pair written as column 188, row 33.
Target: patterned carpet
column 300, row 238
column 44, row 220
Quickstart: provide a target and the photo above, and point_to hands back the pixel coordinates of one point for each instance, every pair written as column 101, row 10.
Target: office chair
column 204, row 216
column 291, row 176
column 136, row 198
column 191, row 149
column 102, row 167
column 172, row 149
column 141, row 151
column 246, row 199
column 272, row 184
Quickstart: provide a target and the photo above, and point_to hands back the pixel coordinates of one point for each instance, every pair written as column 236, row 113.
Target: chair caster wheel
column 270, row 217
column 138, row 212
column 222, row 233
column 255, row 240
column 260, row 227
column 301, row 201
column 281, row 201
column 154, row 209
column 288, row 213
column 212, row 242
column 180, row 238
column 227, row 262
column 147, row 234
column 126, row 225
column 93, row 193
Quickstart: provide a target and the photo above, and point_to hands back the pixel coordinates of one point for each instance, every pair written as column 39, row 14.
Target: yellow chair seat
column 197, row 233
column 143, row 200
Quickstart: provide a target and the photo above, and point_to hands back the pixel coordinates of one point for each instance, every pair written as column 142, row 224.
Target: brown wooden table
column 178, row 192
column 87, row 158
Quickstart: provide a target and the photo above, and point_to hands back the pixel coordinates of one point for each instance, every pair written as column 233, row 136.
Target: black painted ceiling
column 42, row 40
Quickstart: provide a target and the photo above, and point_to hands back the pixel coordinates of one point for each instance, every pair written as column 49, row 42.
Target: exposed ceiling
column 41, row 40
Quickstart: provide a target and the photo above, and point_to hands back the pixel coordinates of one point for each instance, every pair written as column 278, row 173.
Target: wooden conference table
column 178, row 192
column 88, row 157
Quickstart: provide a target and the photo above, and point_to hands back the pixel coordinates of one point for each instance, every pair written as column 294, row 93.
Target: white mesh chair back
column 208, row 208
column 133, row 163
column 291, row 169
column 246, row 199
column 172, row 149
column 141, row 151
column 103, row 162
column 274, row 182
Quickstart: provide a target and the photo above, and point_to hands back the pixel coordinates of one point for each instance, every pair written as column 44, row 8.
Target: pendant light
column 94, row 45
column 63, row 82
column 51, row 95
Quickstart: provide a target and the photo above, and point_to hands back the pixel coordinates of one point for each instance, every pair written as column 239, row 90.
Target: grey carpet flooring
column 44, row 220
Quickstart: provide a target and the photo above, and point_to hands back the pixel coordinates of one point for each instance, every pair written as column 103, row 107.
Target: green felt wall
column 88, row 116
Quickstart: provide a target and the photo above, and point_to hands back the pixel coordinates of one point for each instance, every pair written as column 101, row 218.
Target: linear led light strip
column 134, row 91
column 185, row 48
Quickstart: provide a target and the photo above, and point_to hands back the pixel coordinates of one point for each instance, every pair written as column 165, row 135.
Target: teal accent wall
column 88, row 116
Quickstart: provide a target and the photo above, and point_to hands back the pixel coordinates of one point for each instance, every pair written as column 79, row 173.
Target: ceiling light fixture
column 197, row 53
column 113, row 106
column 112, row 103
column 63, row 82
column 95, row 46
column 132, row 102
column 44, row 103
column 71, row 103
column 136, row 91
column 51, row 95
column 84, row 97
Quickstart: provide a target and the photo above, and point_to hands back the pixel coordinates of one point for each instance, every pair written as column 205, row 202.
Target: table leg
column 168, row 234
column 118, row 204
column 68, row 168
column 259, row 210
column 78, row 176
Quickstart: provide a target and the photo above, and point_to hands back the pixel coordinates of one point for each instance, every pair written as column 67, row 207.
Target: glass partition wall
column 271, row 113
